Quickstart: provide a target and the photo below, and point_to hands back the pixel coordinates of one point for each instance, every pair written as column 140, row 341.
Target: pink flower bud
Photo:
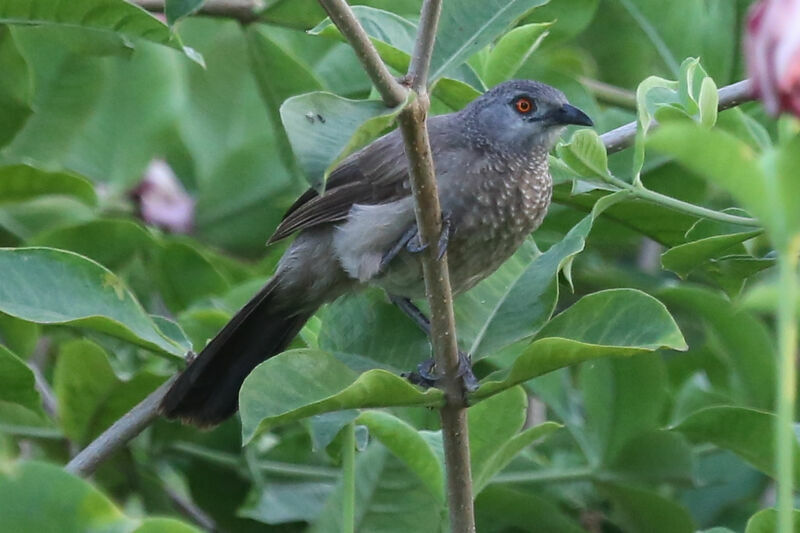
column 772, row 48
column 162, row 200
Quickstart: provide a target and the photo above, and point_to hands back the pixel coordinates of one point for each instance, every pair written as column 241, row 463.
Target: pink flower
column 162, row 200
column 772, row 48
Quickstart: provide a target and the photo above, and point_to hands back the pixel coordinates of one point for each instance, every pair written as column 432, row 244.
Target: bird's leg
column 403, row 242
column 444, row 237
column 426, row 374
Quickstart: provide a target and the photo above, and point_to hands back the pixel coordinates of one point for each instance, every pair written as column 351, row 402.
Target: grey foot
column 413, row 245
column 426, row 375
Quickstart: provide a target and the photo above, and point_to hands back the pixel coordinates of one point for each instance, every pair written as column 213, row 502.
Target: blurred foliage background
column 669, row 440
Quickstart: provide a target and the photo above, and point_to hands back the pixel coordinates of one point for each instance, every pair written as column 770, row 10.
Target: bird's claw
column 414, row 246
column 427, row 377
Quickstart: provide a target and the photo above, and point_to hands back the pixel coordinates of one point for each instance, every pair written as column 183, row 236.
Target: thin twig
column 120, row 432
column 423, row 47
column 245, row 11
column 190, row 510
column 392, row 93
column 610, row 94
column 729, row 96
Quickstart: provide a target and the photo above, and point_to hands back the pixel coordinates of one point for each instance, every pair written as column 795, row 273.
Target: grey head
column 519, row 118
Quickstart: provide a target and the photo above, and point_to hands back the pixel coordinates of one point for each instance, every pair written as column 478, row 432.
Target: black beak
column 569, row 114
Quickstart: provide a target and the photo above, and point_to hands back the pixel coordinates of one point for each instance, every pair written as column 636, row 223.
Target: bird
column 491, row 165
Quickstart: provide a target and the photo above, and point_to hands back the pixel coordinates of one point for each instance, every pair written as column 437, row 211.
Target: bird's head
column 519, row 117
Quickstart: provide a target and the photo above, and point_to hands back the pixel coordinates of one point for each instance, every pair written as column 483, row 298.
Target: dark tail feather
column 207, row 392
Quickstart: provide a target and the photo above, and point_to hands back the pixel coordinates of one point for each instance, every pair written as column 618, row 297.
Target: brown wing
column 376, row 174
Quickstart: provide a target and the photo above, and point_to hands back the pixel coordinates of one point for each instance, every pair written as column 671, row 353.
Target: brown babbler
column 491, row 161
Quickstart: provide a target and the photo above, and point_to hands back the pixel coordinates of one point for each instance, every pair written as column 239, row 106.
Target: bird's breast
column 493, row 221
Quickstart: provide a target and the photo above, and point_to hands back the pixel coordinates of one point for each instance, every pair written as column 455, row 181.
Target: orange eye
column 524, row 105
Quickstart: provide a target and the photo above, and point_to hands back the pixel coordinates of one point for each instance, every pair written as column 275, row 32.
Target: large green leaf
column 51, row 286
column 511, row 51
column 324, row 128
column 177, row 9
column 684, row 258
column 623, row 399
column 500, row 508
column 106, row 17
column 301, row 383
column 19, row 183
column 82, row 381
column 389, row 497
column 741, row 338
column 405, row 442
column 110, row 242
column 766, row 521
column 17, row 384
column 40, row 497
column 495, row 435
column 15, row 88
column 644, row 511
column 746, row 432
column 466, row 26
column 612, row 323
column 185, row 275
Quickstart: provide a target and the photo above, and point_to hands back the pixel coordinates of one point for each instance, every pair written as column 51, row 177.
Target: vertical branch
column 413, row 125
column 349, row 479
column 786, row 394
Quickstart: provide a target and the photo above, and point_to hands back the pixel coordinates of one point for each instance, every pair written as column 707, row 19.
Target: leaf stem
column 349, row 479
column 786, row 393
column 546, row 476
column 643, row 193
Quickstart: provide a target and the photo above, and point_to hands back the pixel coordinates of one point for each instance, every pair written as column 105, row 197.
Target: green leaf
column 324, row 128
column 494, row 434
column 17, row 384
column 15, row 88
column 43, row 497
column 623, row 399
column 746, row 432
column 585, row 154
column 684, row 258
column 742, row 340
column 502, row 508
column 106, row 17
column 389, row 497
column 90, row 395
column 70, row 289
column 18, row 335
column 708, row 102
column 612, row 323
column 82, row 382
column 655, row 456
column 766, row 521
column 301, row 383
column 512, row 51
column 111, row 242
column 644, row 511
column 19, row 183
column 177, row 9
column 406, row 444
column 184, row 275
column 466, row 26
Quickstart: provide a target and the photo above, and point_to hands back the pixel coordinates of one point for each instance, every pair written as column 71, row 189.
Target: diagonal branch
column 729, row 96
column 245, row 11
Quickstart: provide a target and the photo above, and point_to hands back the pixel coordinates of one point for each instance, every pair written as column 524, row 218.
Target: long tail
column 207, row 392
